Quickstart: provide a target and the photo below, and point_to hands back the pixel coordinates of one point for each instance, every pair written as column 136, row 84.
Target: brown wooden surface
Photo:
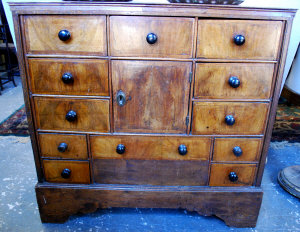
column 219, row 174
column 150, row 147
column 157, row 96
column 128, row 36
column 250, row 146
column 215, row 39
column 209, row 118
column 77, row 146
column 90, row 76
column 88, row 34
column 80, row 171
column 92, row 114
column 211, row 80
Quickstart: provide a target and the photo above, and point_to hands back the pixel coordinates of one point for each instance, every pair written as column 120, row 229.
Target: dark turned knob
column 234, row 82
column 67, row 78
column 120, row 149
column 64, row 35
column 66, row 173
column 182, row 149
column 71, row 116
column 62, row 147
column 229, row 119
column 239, row 40
column 237, row 151
column 233, row 177
column 151, row 38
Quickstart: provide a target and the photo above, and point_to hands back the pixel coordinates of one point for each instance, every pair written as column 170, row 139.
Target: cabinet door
column 156, row 96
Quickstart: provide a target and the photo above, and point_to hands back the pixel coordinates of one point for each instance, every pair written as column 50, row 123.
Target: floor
column 18, row 209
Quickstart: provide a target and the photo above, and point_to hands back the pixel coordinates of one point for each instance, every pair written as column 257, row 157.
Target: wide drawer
column 233, row 80
column 261, row 39
column 229, row 118
column 69, row 76
column 237, row 149
column 232, row 174
column 72, row 114
column 87, row 34
column 63, row 146
column 151, row 36
column 67, row 171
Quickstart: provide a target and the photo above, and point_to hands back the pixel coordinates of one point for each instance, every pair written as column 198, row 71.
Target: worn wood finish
column 174, row 36
column 215, row 39
column 150, row 147
column 80, row 171
column 92, row 114
column 157, row 95
column 88, row 34
column 77, row 146
column 250, row 147
column 209, row 118
column 211, row 80
column 90, row 76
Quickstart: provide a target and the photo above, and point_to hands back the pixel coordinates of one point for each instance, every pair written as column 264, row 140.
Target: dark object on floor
column 289, row 179
column 217, row 2
column 291, row 97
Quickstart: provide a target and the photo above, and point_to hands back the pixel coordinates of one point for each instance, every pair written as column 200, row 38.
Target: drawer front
column 216, row 39
column 233, row 80
column 87, row 34
column 232, row 174
column 77, row 172
column 237, row 149
column 150, row 147
column 209, row 118
column 174, row 36
column 72, row 114
column 63, row 146
column 69, row 76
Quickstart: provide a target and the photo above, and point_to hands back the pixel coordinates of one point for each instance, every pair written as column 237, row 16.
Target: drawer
column 237, row 149
column 242, row 118
column 167, row 36
column 233, row 80
column 63, row 146
column 77, row 172
column 150, row 147
column 72, row 114
column 69, row 76
column 216, row 39
column 232, row 174
column 83, row 35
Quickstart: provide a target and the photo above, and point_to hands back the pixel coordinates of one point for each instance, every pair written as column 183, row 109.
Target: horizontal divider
column 71, row 96
column 233, row 162
column 231, row 100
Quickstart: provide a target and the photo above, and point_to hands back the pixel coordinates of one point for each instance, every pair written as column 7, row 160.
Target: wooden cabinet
column 150, row 105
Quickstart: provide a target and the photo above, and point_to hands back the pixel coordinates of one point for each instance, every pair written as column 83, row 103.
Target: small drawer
column 72, row 114
column 229, row 118
column 65, row 34
column 239, row 39
column 232, row 174
column 237, row 149
column 69, row 76
column 233, row 80
column 151, row 36
column 77, row 172
column 63, row 146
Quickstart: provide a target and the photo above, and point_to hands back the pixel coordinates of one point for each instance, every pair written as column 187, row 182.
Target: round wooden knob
column 234, row 82
column 67, row 78
column 64, row 35
column 66, row 173
column 62, row 147
column 120, row 149
column 233, row 177
column 237, row 151
column 151, row 38
column 239, row 40
column 182, row 149
column 229, row 119
column 71, row 116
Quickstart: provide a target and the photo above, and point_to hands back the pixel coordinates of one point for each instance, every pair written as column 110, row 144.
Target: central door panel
column 150, row 96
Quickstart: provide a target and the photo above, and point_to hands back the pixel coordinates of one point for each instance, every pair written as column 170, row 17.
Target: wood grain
column 250, row 146
column 88, row 34
column 219, row 174
column 211, row 80
column 80, row 171
column 90, row 76
column 215, row 39
column 209, row 118
column 157, row 95
column 92, row 114
column 77, row 146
